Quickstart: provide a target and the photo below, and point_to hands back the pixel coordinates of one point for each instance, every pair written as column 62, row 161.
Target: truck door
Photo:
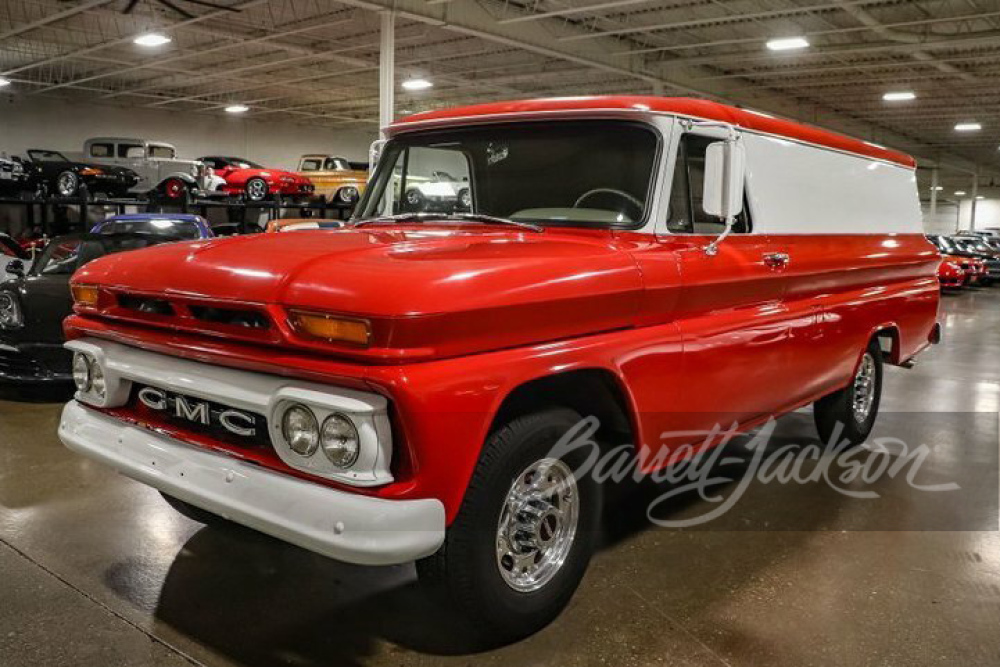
column 730, row 312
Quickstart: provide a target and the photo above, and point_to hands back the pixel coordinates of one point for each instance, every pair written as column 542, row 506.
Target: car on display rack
column 161, row 173
column 299, row 224
column 402, row 389
column 34, row 301
column 178, row 226
column 438, row 191
column 334, row 177
column 19, row 177
column 256, row 182
column 64, row 177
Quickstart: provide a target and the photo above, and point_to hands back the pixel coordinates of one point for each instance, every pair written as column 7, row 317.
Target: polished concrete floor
column 95, row 570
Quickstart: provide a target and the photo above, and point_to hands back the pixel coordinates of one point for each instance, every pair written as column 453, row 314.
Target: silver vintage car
column 161, row 172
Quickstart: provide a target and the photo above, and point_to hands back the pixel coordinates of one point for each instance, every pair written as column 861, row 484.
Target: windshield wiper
column 448, row 217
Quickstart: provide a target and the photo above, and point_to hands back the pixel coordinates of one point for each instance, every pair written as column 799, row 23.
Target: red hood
column 429, row 291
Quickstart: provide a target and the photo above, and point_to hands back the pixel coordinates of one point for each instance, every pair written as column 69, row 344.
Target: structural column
column 975, row 193
column 934, row 191
column 387, row 71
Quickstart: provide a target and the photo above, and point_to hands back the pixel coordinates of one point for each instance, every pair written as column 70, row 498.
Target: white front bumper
column 344, row 526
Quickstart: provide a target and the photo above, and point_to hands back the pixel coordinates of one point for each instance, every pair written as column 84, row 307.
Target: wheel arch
column 589, row 391
column 887, row 335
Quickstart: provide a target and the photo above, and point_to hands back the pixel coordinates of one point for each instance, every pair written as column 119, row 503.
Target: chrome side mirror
column 722, row 194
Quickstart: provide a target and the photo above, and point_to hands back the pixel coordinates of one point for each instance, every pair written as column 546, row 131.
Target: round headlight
column 340, row 441
column 81, row 371
column 300, row 429
column 97, row 384
column 10, row 311
column 348, row 194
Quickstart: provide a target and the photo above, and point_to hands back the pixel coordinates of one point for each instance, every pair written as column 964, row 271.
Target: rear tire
column 514, row 556
column 194, row 513
column 256, row 189
column 174, row 189
column 67, row 184
column 849, row 413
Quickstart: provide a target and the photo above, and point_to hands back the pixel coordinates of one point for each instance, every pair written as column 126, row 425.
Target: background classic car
column 256, row 182
column 18, row 176
column 179, row 226
column 66, row 178
column 35, row 301
column 160, row 171
column 334, row 177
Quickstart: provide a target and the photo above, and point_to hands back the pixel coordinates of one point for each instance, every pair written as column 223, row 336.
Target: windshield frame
column 383, row 174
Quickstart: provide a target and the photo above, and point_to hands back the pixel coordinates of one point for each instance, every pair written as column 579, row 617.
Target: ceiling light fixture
column 968, row 127
column 417, row 84
column 237, row 108
column 151, row 39
column 4, row 81
column 959, row 193
column 899, row 96
column 787, row 43
column 938, row 188
column 980, row 197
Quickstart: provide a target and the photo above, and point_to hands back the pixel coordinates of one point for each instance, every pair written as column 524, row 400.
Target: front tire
column 853, row 409
column 522, row 540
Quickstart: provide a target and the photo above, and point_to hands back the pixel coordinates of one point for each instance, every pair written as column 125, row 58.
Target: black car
column 18, row 177
column 34, row 303
column 64, row 177
column 977, row 247
column 952, row 245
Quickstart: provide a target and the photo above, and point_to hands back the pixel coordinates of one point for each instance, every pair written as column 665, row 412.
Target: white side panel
column 799, row 189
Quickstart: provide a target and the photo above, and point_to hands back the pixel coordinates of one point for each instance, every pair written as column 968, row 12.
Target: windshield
column 65, row 255
column 943, row 244
column 586, row 173
column 240, row 163
column 47, row 156
column 183, row 229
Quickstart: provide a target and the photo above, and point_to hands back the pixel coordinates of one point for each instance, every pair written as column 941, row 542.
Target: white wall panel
column 798, row 189
column 55, row 124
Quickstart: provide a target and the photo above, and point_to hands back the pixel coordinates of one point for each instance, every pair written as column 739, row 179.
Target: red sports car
column 255, row 181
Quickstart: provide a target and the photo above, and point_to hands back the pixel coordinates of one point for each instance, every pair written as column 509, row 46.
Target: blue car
column 181, row 226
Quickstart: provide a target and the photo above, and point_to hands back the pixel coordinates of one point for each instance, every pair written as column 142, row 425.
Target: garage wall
column 943, row 222
column 987, row 213
column 46, row 123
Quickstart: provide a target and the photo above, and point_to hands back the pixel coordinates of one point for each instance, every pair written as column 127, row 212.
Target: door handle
column 776, row 260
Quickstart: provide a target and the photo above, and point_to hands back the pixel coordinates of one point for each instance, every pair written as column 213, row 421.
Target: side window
column 310, row 164
column 130, row 151
column 686, row 215
column 102, row 150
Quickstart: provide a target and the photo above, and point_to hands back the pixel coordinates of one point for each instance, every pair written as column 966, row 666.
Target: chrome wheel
column 537, row 525
column 256, row 189
column 66, row 184
column 863, row 390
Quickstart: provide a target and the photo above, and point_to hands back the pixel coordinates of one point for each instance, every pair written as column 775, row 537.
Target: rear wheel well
column 589, row 392
column 888, row 340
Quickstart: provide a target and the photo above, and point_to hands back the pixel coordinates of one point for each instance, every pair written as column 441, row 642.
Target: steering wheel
column 630, row 199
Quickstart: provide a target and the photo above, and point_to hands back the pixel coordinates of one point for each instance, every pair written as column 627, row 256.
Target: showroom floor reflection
column 95, row 566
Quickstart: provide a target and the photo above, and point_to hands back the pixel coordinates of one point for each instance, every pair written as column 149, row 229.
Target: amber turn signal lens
column 331, row 328
column 84, row 295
